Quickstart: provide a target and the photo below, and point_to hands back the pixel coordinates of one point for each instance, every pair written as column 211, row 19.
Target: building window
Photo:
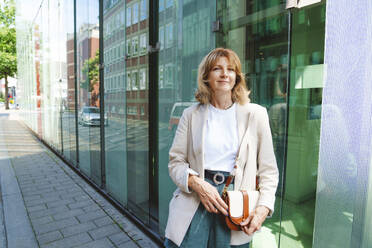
column 135, row 81
column 142, row 109
column 135, row 13
column 161, row 5
column 169, row 35
column 132, row 110
column 128, row 81
column 122, row 18
column 143, row 10
column 161, row 77
column 168, row 76
column 142, row 79
column 143, row 43
column 161, row 37
column 169, row 3
column 129, row 47
column 129, row 16
column 134, row 46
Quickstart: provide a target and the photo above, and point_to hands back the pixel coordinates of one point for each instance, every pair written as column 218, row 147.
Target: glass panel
column 68, row 81
column 258, row 32
column 185, row 37
column 136, row 114
column 307, row 52
column 115, row 99
column 87, row 53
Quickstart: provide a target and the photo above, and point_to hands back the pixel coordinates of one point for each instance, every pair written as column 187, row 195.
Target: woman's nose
column 224, row 73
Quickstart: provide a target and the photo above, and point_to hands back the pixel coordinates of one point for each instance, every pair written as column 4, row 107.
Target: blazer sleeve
column 267, row 168
column 178, row 165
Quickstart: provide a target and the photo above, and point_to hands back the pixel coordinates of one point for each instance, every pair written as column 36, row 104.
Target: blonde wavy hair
column 240, row 92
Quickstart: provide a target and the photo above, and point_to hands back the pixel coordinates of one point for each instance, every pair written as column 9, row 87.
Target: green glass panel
column 185, row 37
column 115, row 98
column 258, row 32
column 87, row 51
column 306, row 74
column 136, row 108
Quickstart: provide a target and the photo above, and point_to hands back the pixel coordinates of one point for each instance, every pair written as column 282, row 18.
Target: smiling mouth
column 223, row 81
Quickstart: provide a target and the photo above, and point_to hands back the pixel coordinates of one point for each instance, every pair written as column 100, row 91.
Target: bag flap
column 235, row 203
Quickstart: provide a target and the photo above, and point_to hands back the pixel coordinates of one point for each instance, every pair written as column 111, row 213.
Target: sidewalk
column 43, row 203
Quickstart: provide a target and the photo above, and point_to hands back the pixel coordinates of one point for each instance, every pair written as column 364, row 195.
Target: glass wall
column 88, row 81
column 137, row 102
column 61, row 57
column 115, row 99
column 305, row 101
column 258, row 32
column 185, row 36
column 67, row 106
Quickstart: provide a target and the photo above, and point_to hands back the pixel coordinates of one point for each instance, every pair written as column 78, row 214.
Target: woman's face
column 222, row 76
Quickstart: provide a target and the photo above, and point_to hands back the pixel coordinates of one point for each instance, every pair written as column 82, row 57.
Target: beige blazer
column 255, row 156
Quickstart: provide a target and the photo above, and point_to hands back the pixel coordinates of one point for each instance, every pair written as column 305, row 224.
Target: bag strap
column 245, row 205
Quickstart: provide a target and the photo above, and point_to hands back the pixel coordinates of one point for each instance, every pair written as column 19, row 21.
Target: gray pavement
column 43, row 203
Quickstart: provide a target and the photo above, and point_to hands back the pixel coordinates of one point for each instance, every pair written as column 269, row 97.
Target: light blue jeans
column 207, row 229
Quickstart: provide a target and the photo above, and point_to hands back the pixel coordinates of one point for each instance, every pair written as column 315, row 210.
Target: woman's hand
column 208, row 195
column 255, row 219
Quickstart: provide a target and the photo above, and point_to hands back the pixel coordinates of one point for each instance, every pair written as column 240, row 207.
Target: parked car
column 176, row 114
column 90, row 116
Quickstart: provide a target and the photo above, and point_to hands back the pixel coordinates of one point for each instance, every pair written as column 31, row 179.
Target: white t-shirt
column 221, row 140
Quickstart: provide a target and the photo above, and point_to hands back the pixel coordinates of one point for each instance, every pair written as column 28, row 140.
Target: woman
column 222, row 131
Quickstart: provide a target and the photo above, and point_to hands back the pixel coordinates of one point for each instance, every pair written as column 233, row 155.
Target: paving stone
column 44, row 228
column 91, row 208
column 80, row 204
column 59, row 203
column 70, row 241
column 119, row 238
column 129, row 244
column 37, row 207
column 68, row 214
column 91, row 216
column 103, row 221
column 50, row 211
column 102, row 243
column 80, row 228
column 104, row 231
column 49, row 237
column 42, row 220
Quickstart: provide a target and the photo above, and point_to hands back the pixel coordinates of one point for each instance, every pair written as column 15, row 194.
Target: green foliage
column 91, row 72
column 8, row 53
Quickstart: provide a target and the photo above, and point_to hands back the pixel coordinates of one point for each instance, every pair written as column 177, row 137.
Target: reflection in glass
column 136, row 110
column 115, row 100
column 260, row 38
column 87, row 52
column 185, row 38
column 307, row 52
column 68, row 101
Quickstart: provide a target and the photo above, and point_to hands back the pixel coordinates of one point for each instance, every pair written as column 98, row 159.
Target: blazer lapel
column 242, row 118
column 198, row 120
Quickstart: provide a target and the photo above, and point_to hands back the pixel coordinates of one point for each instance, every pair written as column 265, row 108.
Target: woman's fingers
column 246, row 221
column 254, row 221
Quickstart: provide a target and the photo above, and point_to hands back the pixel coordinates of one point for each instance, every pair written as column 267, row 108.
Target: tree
column 90, row 71
column 8, row 52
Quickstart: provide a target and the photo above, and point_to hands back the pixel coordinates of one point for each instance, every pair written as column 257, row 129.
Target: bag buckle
column 216, row 179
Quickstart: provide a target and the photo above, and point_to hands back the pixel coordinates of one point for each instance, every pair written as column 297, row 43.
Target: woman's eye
column 231, row 69
column 216, row 68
